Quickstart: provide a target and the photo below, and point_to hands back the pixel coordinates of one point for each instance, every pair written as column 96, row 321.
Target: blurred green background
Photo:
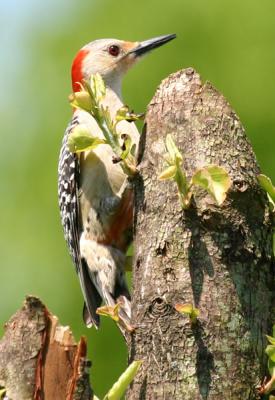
column 230, row 42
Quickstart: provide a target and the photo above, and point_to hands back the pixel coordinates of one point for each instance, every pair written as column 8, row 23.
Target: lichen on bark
column 218, row 258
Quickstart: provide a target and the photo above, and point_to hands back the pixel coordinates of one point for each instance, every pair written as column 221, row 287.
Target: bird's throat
column 113, row 99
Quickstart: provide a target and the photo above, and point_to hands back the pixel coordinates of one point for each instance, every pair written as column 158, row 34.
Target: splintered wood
column 39, row 358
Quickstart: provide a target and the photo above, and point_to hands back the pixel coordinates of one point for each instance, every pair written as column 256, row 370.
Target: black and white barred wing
column 68, row 192
column 68, row 180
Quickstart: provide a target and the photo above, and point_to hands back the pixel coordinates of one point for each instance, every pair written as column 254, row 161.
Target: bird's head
column 111, row 58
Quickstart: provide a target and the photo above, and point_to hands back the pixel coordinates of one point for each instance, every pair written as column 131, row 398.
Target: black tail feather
column 91, row 296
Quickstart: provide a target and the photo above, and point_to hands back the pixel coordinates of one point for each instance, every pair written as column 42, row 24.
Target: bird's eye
column 114, row 50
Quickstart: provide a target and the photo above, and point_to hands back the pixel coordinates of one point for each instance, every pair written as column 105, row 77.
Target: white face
column 109, row 57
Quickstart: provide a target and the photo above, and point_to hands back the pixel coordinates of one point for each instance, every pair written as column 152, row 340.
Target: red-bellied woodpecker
column 95, row 201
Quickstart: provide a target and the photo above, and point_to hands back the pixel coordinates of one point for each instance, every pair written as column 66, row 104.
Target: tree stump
column 39, row 359
column 218, row 258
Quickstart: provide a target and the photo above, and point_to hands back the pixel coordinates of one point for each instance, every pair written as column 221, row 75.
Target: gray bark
column 218, row 258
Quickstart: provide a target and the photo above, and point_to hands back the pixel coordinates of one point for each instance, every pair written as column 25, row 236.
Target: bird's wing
column 68, row 189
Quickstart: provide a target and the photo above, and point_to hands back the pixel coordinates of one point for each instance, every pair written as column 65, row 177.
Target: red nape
column 77, row 75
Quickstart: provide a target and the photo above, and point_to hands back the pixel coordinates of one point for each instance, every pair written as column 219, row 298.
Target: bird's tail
column 92, row 299
column 104, row 279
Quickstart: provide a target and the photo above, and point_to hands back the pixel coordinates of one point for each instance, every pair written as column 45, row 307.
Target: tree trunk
column 218, row 258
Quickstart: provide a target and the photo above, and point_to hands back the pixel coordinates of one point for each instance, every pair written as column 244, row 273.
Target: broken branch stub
column 39, row 358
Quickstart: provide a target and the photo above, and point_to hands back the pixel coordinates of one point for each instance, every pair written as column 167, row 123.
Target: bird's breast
column 101, row 179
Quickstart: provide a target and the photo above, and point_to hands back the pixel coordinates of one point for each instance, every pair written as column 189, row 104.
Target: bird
column 95, row 197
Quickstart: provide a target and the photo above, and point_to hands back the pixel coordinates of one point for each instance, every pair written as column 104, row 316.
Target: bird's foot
column 119, row 313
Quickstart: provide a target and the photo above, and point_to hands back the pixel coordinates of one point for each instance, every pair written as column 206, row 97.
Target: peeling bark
column 39, row 358
column 218, row 258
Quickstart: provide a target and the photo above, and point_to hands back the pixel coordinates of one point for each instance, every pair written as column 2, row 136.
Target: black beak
column 148, row 45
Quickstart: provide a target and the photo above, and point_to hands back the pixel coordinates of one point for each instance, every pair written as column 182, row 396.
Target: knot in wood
column 240, row 185
column 189, row 71
column 159, row 308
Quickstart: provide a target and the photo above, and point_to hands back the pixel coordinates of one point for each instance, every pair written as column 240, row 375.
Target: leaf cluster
column 214, row 179
column 90, row 99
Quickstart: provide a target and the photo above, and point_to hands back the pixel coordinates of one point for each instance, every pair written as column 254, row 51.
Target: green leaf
column 98, row 87
column 273, row 331
column 174, row 171
column 270, row 351
column 80, row 140
column 126, row 146
column 121, row 114
column 215, row 180
column 168, row 173
column 184, row 308
column 266, row 184
column 109, row 311
column 133, row 150
column 81, row 100
column 271, row 339
column 109, row 130
column 172, row 149
column 118, row 389
column 188, row 309
column 271, row 367
column 124, row 114
column 181, row 181
column 2, row 393
column 167, row 159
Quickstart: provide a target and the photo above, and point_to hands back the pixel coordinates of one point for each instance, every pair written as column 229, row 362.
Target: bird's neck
column 113, row 97
column 113, row 84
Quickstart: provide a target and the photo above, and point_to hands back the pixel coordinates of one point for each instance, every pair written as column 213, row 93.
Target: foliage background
column 230, row 42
